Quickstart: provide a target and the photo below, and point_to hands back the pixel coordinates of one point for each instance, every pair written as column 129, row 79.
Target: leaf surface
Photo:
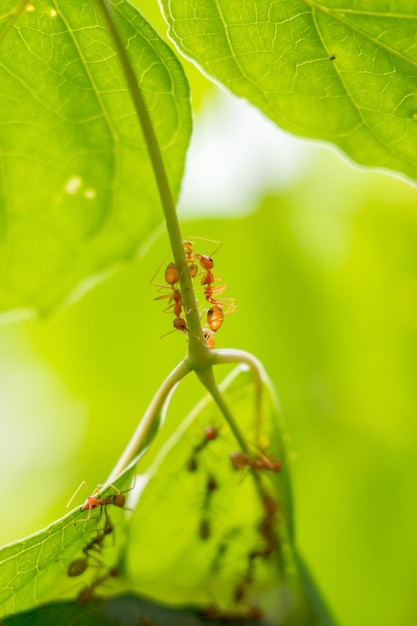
column 77, row 191
column 198, row 532
column 205, row 533
column 35, row 569
column 343, row 71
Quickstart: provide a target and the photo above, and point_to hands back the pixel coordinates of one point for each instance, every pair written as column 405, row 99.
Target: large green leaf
column 340, row 70
column 198, row 532
column 35, row 569
column 203, row 533
column 77, row 191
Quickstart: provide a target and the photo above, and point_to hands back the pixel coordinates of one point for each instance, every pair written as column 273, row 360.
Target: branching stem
column 200, row 358
column 259, row 376
column 154, row 411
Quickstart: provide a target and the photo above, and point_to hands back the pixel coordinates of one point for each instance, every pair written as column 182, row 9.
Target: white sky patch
column 235, row 157
column 73, row 184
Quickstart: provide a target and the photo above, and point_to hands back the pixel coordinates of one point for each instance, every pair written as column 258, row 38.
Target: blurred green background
column 323, row 266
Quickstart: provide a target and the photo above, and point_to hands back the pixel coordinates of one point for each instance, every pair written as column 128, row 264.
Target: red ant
column 205, row 527
column 78, row 566
column 95, row 500
column 206, row 262
column 210, row 433
column 172, row 277
column 243, row 459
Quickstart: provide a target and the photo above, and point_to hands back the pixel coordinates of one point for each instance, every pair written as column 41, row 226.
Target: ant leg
column 82, row 484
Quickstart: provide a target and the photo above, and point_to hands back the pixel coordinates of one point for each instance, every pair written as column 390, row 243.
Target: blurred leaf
column 77, row 191
column 339, row 70
column 203, row 532
column 124, row 611
column 35, row 569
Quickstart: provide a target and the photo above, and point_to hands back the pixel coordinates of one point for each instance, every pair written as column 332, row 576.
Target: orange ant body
column 243, row 459
column 215, row 313
column 172, row 277
column 215, row 317
column 206, row 262
column 172, row 274
column 95, row 501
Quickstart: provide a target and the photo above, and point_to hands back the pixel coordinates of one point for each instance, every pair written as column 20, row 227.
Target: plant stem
column 154, row 411
column 200, row 355
column 208, row 380
column 258, row 373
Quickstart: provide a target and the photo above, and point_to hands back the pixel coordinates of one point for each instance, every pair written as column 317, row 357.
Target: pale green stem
column 200, row 355
column 258, row 373
column 208, row 380
column 153, row 412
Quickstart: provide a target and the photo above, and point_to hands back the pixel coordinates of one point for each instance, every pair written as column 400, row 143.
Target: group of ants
column 239, row 460
column 199, row 265
column 267, row 529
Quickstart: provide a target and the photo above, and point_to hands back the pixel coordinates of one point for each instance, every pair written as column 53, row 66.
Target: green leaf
column 339, row 70
column 77, row 190
column 204, row 533
column 35, row 569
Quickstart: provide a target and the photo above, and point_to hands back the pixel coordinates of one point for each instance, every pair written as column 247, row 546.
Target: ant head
column 91, row 503
column 206, row 262
column 210, row 432
column 180, row 324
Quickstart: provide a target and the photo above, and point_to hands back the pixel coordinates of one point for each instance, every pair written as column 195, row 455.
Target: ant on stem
column 172, row 277
column 215, row 314
column 210, row 433
column 241, row 460
column 206, row 262
column 205, row 526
